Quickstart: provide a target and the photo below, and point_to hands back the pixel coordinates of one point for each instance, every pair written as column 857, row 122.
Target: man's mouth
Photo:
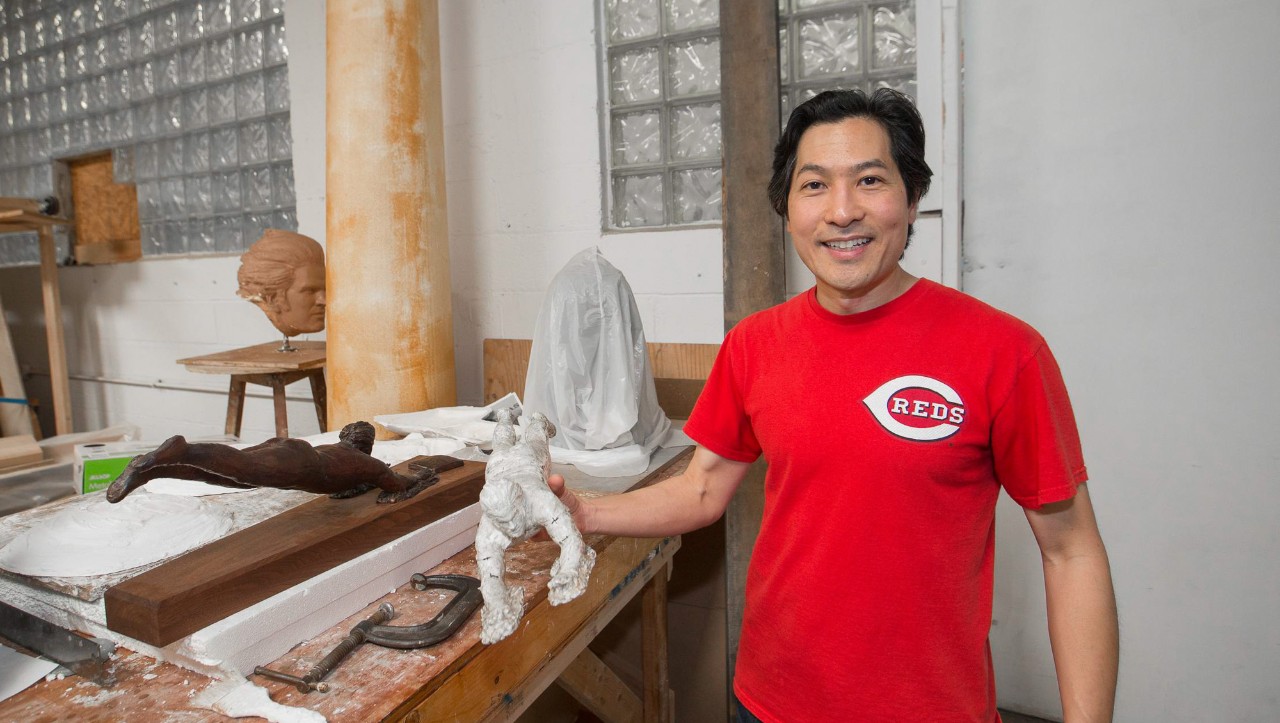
column 846, row 244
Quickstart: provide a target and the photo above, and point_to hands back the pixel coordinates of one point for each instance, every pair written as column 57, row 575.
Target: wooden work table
column 460, row 679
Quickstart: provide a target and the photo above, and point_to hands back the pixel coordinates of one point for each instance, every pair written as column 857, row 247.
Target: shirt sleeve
column 719, row 420
column 1034, row 441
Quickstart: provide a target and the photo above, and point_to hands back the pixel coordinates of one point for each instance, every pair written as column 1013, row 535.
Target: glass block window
column 661, row 75
column 825, row 45
column 192, row 97
column 662, row 129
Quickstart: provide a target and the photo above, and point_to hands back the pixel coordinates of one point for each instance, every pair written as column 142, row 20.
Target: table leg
column 235, row 405
column 653, row 649
column 282, row 413
column 319, row 393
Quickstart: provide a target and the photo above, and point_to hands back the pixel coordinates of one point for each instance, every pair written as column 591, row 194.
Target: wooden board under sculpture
column 208, row 584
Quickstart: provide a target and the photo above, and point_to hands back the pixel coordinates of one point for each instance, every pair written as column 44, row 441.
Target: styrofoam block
column 265, row 631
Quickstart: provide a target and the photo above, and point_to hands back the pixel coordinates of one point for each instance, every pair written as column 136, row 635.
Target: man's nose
column 844, row 206
column 320, row 298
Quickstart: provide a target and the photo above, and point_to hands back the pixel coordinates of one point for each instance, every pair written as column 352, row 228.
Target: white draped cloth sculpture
column 515, row 503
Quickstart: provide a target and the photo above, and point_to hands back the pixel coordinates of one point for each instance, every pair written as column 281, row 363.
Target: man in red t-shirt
column 891, row 411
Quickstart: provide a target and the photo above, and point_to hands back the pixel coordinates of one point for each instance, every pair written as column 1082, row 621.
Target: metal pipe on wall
column 390, row 325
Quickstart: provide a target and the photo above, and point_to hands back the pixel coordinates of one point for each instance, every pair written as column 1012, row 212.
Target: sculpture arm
column 695, row 498
column 1083, row 628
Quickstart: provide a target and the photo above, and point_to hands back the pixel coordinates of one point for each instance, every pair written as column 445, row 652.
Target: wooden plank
column 54, row 333
column 506, row 364
column 682, row 361
column 106, row 212
column 754, row 271
column 20, row 451
column 600, row 690
column 678, row 396
column 207, row 584
column 27, row 205
column 14, row 418
column 260, row 359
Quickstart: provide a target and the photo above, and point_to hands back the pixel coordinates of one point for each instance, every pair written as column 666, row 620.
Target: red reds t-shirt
column 888, row 435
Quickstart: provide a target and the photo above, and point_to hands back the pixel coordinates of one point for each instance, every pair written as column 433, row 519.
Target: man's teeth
column 845, row 245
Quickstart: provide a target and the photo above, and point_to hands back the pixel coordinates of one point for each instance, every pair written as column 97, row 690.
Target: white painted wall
column 1120, row 180
column 523, row 169
column 127, row 324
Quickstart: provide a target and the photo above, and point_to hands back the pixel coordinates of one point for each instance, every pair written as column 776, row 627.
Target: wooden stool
column 266, row 365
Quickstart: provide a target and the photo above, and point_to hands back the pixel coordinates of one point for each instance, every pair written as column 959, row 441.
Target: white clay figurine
column 515, row 503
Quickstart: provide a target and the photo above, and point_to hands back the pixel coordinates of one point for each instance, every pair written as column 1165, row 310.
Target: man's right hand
column 575, row 504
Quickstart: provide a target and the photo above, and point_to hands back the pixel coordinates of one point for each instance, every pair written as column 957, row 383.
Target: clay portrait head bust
column 283, row 273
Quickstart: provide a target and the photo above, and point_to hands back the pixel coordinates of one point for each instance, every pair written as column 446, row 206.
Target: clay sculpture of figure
column 283, row 274
column 340, row 470
column 515, row 503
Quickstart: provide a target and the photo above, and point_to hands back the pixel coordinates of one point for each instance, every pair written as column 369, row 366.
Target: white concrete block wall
column 1120, row 179
column 127, row 325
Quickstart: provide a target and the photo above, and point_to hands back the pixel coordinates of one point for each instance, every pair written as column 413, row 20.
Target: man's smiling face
column 848, row 214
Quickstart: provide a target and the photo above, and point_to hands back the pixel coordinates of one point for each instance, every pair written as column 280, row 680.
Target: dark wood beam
column 754, row 277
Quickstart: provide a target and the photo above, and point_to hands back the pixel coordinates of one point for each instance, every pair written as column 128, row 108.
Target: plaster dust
column 242, row 699
column 101, row 538
column 187, row 488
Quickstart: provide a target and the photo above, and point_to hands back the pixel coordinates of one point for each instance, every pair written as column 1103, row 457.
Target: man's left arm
column 1083, row 629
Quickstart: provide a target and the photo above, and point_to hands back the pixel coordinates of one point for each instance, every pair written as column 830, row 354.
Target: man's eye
column 869, row 181
column 811, row 185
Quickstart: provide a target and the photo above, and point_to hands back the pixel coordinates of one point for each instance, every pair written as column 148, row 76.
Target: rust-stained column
column 390, row 327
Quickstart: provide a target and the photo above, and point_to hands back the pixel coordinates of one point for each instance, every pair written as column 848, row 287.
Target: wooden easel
column 25, row 214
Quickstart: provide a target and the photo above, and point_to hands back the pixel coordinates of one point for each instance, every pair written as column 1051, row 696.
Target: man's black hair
column 894, row 111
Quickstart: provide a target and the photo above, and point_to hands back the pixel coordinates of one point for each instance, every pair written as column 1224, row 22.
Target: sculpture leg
column 142, row 468
column 503, row 606
column 572, row 569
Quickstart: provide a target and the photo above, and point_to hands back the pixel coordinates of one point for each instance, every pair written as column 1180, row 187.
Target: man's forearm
column 1084, row 632
column 671, row 507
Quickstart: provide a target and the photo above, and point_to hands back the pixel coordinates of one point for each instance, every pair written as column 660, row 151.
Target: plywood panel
column 18, row 452
column 106, row 213
column 506, row 363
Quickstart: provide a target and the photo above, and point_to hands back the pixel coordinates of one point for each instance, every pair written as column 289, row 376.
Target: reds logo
column 917, row 407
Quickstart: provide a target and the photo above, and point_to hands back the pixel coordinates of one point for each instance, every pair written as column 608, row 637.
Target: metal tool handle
column 318, row 672
column 349, row 643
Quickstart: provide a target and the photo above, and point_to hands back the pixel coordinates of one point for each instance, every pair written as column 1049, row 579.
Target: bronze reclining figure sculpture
column 340, row 470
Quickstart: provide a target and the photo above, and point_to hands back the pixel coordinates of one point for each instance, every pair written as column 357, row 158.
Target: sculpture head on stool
column 283, row 274
column 515, row 503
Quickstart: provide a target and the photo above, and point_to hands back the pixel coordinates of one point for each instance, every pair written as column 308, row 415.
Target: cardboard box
column 99, row 464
